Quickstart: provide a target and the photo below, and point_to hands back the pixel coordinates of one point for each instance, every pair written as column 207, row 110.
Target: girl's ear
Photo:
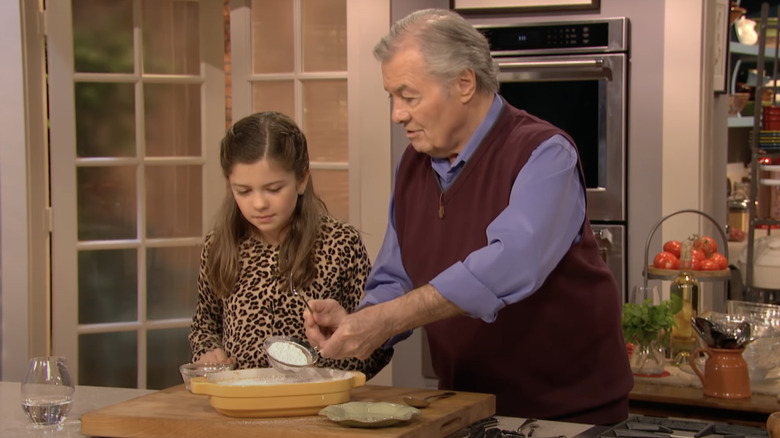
column 303, row 182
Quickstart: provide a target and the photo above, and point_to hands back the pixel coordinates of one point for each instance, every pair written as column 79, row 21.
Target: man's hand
column 338, row 334
column 326, row 318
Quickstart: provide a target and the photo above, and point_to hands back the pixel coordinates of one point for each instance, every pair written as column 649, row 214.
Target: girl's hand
column 216, row 355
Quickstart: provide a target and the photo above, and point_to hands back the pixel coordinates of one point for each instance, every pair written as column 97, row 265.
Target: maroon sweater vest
column 558, row 354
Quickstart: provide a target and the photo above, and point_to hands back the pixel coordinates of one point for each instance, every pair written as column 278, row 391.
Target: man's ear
column 466, row 85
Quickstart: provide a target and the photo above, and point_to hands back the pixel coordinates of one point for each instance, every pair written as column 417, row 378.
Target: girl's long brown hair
column 275, row 137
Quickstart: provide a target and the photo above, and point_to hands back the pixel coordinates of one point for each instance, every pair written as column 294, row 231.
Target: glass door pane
column 108, row 359
column 324, row 33
column 114, row 270
column 101, row 133
column 273, row 36
column 325, row 119
column 165, row 348
column 170, row 277
column 104, row 45
column 174, row 201
column 170, row 36
column 172, row 120
column 107, row 203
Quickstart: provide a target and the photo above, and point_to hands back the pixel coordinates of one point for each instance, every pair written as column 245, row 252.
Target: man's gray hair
column 449, row 45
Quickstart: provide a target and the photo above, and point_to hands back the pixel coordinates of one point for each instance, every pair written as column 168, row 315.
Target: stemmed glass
column 641, row 293
column 47, row 390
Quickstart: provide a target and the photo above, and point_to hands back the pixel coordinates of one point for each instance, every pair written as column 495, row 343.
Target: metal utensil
column 295, row 292
column 475, row 428
column 742, row 334
column 704, row 328
column 424, row 402
column 309, row 353
column 722, row 332
column 525, row 424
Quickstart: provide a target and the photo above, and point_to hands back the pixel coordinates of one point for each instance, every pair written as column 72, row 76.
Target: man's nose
column 399, row 114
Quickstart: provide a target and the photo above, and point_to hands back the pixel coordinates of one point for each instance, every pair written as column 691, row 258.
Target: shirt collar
column 442, row 166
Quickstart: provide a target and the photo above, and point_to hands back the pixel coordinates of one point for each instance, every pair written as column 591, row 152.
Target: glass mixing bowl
column 763, row 353
column 190, row 370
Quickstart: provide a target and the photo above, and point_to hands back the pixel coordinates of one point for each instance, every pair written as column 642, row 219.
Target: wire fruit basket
column 651, row 272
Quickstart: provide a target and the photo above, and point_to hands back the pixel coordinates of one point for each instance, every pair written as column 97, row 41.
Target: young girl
column 271, row 228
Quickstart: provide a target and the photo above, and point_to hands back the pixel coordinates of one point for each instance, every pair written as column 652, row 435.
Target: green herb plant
column 644, row 323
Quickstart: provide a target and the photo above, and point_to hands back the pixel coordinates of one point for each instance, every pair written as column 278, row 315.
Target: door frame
column 24, row 255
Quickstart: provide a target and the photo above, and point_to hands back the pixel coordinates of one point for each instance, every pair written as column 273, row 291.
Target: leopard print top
column 260, row 307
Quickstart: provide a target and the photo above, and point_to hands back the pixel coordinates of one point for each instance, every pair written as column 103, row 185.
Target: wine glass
column 641, row 293
column 47, row 390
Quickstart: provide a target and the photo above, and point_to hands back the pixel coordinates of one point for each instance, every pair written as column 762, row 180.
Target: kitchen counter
column 14, row 422
column 679, row 394
column 89, row 398
column 549, row 428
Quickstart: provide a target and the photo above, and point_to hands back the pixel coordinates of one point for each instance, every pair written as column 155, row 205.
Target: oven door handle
column 595, row 63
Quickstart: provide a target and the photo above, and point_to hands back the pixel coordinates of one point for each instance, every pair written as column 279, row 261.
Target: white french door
column 136, row 112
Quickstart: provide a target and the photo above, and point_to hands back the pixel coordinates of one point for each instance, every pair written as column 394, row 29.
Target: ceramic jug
column 773, row 425
column 725, row 372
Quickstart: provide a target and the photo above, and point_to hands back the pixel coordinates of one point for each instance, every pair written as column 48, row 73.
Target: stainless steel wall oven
column 574, row 75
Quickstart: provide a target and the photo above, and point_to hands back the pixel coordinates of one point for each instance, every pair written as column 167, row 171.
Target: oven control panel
column 547, row 37
column 578, row 36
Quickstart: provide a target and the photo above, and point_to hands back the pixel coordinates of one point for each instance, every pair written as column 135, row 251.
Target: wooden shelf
column 669, row 274
column 738, row 48
column 676, row 401
column 769, row 223
column 740, row 122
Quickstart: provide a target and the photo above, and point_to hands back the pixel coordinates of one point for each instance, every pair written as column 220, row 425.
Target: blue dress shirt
column 525, row 242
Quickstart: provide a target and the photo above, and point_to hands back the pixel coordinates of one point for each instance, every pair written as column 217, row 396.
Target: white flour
column 288, row 353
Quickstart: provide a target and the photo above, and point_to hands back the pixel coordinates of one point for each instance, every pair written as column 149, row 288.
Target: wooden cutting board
column 175, row 412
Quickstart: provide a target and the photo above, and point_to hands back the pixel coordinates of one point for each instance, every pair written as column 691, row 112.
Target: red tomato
column 706, row 244
column 723, row 263
column 709, row 265
column 666, row 260
column 673, row 246
column 697, row 255
column 736, row 235
column 696, row 264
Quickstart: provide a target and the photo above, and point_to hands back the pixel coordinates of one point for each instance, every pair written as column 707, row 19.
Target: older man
column 488, row 244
